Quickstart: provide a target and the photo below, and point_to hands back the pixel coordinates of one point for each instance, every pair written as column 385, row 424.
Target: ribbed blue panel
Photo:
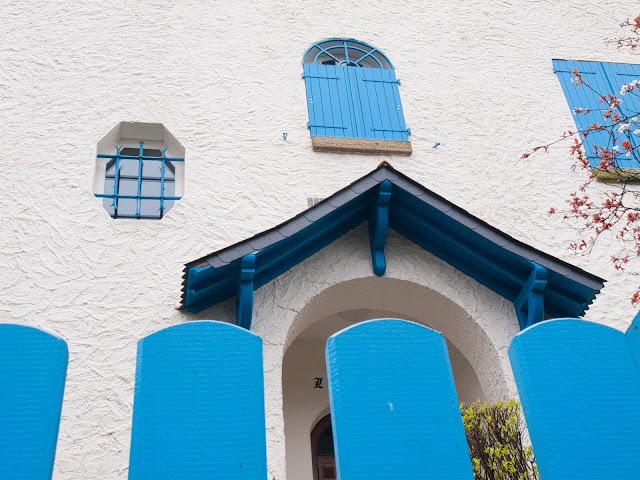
column 354, row 102
column 393, row 402
column 199, row 405
column 618, row 74
column 379, row 101
column 328, row 100
column 580, row 393
column 583, row 96
column 33, row 366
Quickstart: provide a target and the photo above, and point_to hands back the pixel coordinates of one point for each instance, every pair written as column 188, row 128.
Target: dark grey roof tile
column 363, row 184
column 293, row 227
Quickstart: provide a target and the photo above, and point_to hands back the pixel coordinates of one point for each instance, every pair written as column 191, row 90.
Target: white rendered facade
column 224, row 79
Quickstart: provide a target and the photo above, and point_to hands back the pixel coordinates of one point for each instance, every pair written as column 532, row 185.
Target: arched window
column 352, row 92
column 324, row 462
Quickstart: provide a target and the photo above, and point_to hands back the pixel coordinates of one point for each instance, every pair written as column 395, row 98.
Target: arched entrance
column 475, row 361
column 322, row 455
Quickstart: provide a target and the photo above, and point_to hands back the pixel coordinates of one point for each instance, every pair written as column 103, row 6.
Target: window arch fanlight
column 344, row 52
column 352, row 93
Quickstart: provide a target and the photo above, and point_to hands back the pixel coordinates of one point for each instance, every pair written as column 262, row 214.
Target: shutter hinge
column 309, row 125
column 304, row 75
column 381, row 81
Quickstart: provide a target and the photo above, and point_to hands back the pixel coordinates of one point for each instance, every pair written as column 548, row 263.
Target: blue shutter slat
column 324, row 88
column 582, row 96
column 386, row 104
column 344, row 102
column 335, row 106
column 618, row 74
column 395, row 110
column 311, row 70
column 402, row 126
column 368, row 103
column 392, row 107
column 355, row 104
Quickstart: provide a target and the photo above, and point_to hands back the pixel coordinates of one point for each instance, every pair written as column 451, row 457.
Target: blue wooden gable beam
column 379, row 228
column 387, row 199
column 244, row 296
column 529, row 303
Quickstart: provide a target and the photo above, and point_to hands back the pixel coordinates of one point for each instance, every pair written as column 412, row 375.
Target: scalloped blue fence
column 199, row 402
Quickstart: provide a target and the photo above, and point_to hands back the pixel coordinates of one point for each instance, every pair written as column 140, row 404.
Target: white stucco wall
column 224, row 78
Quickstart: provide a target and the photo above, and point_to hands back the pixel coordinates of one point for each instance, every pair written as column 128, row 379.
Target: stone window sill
column 322, row 143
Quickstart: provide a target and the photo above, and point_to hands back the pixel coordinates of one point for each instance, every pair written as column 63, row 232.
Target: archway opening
column 304, row 379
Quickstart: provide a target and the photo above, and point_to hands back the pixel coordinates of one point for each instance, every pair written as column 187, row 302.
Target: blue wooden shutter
column 582, row 96
column 329, row 100
column 379, row 104
column 618, row 74
column 354, row 102
column 33, row 368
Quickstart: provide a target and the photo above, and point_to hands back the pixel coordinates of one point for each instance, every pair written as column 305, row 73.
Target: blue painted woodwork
column 529, row 303
column 491, row 257
column 137, row 186
column 244, row 297
column 199, row 405
column 33, row 366
column 394, row 405
column 379, row 228
column 352, row 91
column 579, row 387
column 633, row 339
column 603, row 78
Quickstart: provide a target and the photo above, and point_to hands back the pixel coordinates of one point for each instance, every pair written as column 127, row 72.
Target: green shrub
column 495, row 438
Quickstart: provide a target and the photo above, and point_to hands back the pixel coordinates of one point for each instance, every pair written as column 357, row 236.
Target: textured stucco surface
column 224, row 78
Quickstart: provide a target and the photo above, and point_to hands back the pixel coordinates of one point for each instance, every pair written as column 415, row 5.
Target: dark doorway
column 324, row 462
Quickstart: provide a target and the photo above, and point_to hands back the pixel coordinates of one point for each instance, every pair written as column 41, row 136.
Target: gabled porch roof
column 540, row 285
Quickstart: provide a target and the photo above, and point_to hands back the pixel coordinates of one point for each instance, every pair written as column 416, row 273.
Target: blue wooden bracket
column 379, row 228
column 244, row 296
column 529, row 304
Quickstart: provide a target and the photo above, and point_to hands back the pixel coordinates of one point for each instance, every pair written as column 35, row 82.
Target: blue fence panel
column 33, row 368
column 393, row 402
column 580, row 392
column 199, row 405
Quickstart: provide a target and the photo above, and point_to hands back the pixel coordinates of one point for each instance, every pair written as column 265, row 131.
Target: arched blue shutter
column 352, row 91
column 328, row 100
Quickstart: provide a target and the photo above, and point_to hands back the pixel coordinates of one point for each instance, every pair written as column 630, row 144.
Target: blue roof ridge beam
column 379, row 228
column 529, row 303
column 244, row 296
